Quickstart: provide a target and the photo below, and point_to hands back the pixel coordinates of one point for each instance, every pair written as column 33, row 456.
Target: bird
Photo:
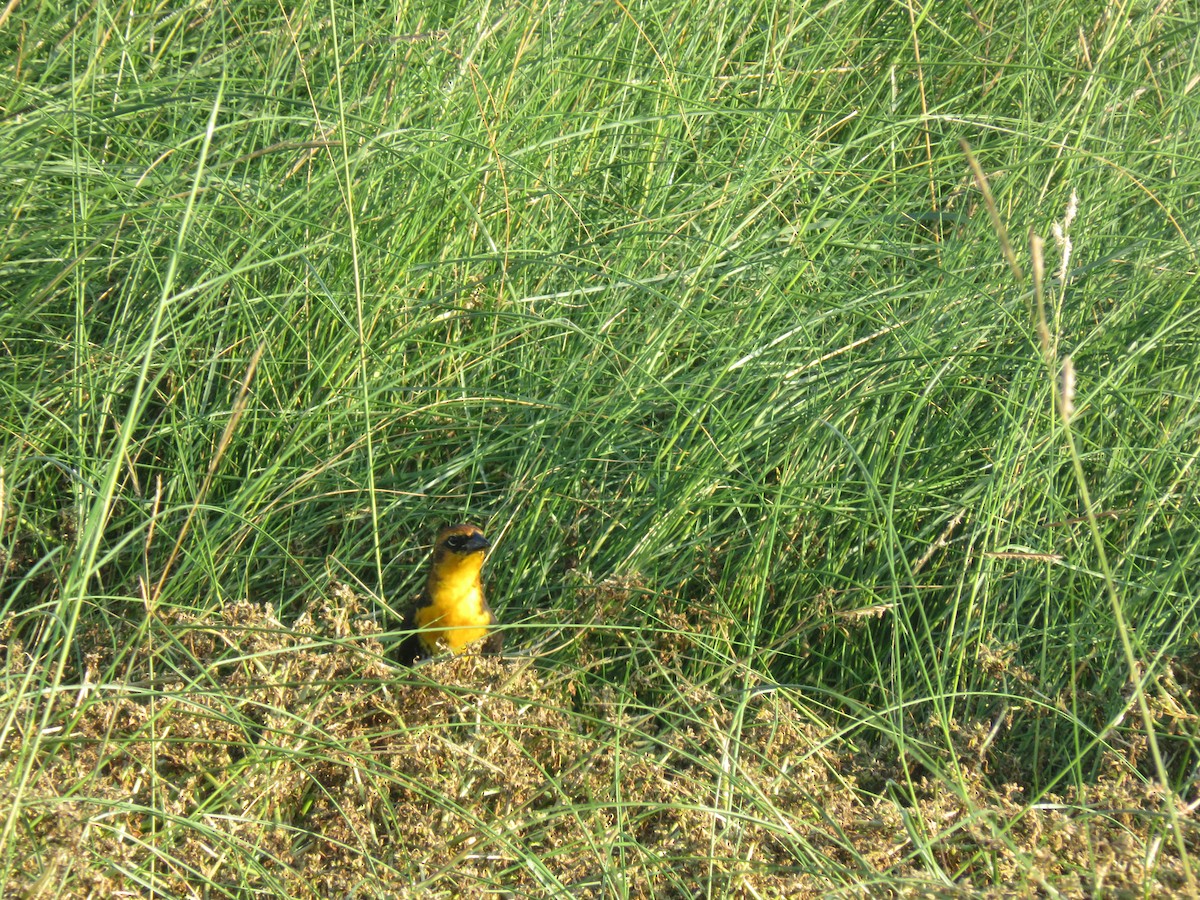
column 452, row 613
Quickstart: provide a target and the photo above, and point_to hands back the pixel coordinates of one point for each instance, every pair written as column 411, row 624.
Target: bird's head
column 459, row 548
column 461, row 540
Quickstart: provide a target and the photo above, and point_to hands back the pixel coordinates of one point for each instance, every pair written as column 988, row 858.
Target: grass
column 742, row 331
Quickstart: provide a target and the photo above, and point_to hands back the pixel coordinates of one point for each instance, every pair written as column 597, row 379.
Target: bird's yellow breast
column 457, row 614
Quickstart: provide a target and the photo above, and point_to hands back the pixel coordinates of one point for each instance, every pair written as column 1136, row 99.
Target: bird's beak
column 475, row 543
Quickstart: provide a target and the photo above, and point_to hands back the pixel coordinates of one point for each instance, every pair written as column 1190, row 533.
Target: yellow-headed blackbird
column 451, row 612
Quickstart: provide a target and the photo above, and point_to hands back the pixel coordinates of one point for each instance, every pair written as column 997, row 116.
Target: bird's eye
column 455, row 541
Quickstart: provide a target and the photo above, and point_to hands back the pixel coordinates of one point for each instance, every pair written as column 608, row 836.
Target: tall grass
column 701, row 300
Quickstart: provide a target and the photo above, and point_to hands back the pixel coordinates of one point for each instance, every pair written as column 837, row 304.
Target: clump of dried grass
column 299, row 760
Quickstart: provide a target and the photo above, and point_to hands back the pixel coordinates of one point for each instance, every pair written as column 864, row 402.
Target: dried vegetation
column 250, row 758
